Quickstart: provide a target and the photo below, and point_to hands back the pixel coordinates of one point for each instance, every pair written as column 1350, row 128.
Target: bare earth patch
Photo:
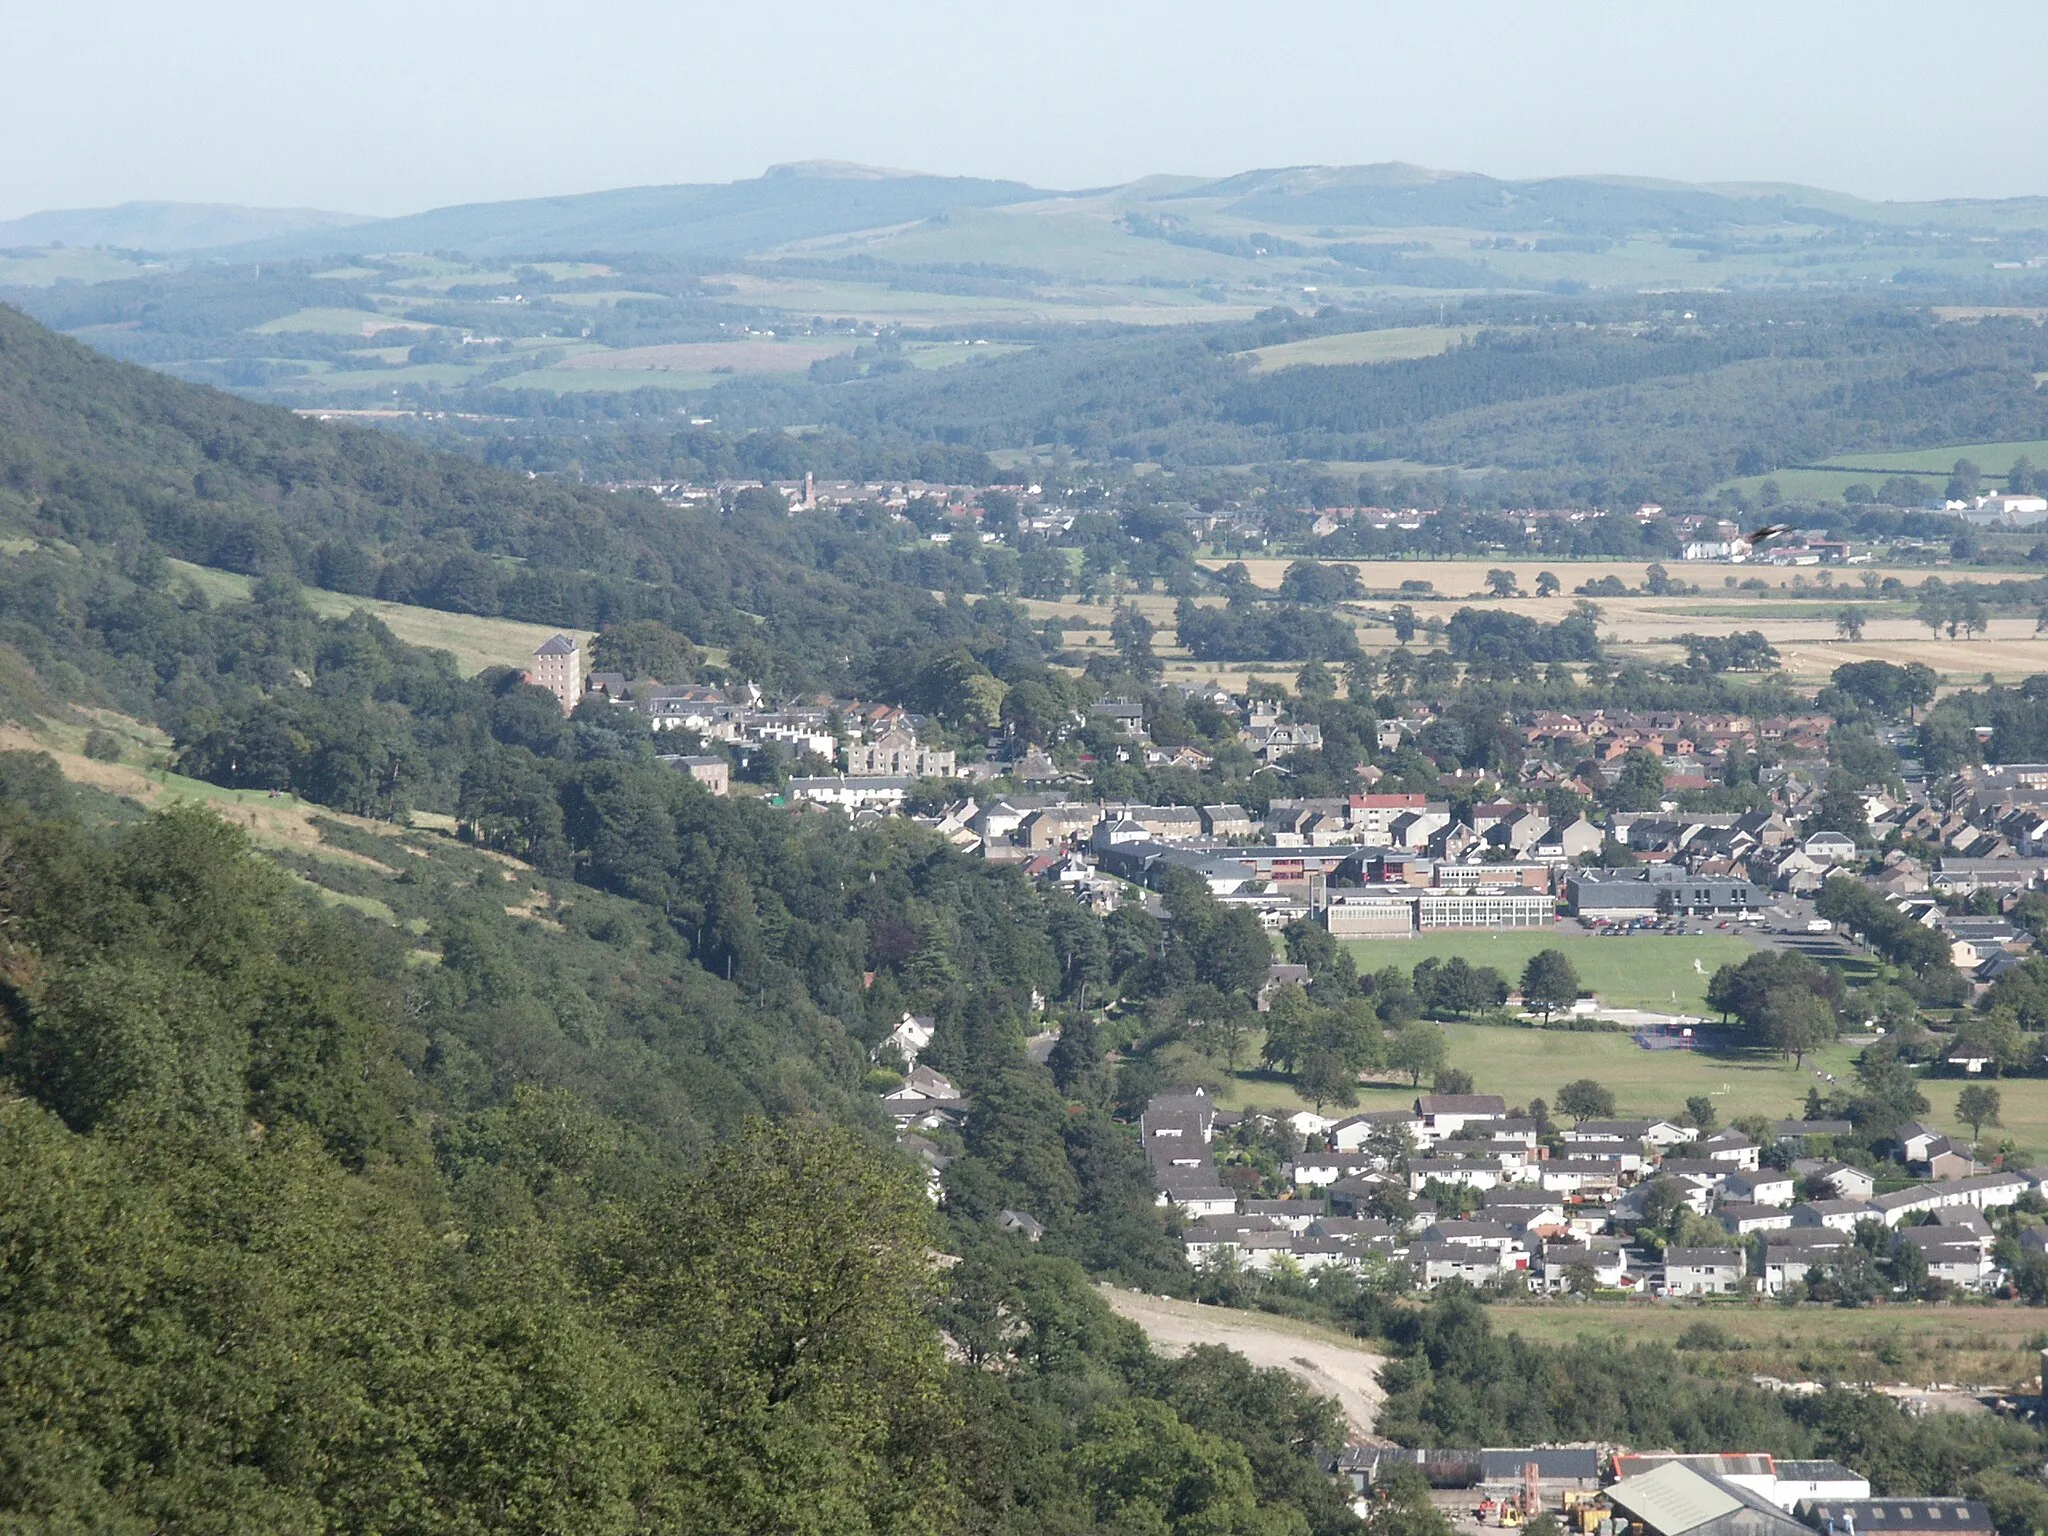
column 1330, row 1363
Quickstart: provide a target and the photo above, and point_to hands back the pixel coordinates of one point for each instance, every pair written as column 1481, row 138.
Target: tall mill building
column 558, row 667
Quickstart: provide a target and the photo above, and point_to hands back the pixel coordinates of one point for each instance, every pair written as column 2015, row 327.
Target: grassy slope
column 474, row 641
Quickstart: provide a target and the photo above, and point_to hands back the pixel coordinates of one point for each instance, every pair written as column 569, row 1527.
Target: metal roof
column 1673, row 1499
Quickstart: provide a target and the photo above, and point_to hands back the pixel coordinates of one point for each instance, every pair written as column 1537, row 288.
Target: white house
column 909, row 1037
column 1702, row 1271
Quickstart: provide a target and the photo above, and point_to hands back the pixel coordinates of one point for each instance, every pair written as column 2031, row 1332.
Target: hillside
column 787, row 203
column 110, row 456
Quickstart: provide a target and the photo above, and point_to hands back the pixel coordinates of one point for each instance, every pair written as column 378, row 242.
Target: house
column 911, row 1035
column 1829, row 847
column 1455, row 1261
column 1270, row 743
column 1279, row 975
column 714, row 773
column 1606, row 1258
column 1848, row 1183
column 1787, row 1264
column 1900, row 1204
column 1914, row 1140
column 1945, row 1159
column 1743, row 1218
column 1955, row 1257
column 1731, row 1147
column 1833, row 1215
column 922, row 1083
column 849, row 792
column 1766, row 1186
column 1126, row 716
column 1027, row 1227
column 1445, row 1114
column 1702, row 1271
column 895, row 753
column 558, row 667
column 1224, row 821
column 1568, row 842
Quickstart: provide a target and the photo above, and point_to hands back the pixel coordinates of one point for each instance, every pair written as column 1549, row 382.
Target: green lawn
column 1520, row 1064
column 1654, row 971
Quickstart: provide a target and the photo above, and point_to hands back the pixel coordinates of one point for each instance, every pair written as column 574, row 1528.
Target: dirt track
column 1330, row 1363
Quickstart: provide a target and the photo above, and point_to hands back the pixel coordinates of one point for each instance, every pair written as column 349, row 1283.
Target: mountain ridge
column 808, row 200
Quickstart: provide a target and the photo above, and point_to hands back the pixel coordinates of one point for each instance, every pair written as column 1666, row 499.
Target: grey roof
column 556, row 645
column 1815, row 1472
column 1701, row 1258
column 1551, row 1461
column 1873, row 1515
column 1463, row 1104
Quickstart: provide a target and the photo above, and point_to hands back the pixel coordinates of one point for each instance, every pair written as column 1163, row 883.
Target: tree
column 1315, row 682
column 1795, row 1021
column 1549, row 982
column 1699, row 1110
column 1131, row 633
column 1641, row 784
column 1977, row 1106
column 1841, row 810
column 644, row 648
column 1325, row 1078
column 1547, row 584
column 1933, row 609
column 1849, row 624
column 1418, row 1047
column 1501, row 583
column 1585, row 1099
column 1403, row 620
column 1965, row 481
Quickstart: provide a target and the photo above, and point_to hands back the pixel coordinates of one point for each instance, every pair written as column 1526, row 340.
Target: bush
column 102, row 746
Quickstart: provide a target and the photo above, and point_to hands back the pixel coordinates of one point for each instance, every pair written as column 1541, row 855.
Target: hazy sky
column 382, row 107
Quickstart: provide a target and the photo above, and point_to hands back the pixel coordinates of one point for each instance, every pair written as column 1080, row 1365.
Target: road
column 1329, row 1362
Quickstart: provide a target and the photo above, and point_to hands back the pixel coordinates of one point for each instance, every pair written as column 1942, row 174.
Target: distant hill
column 1397, row 196
column 167, row 226
column 789, row 203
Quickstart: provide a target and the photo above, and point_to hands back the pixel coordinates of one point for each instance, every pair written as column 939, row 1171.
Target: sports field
column 1662, row 972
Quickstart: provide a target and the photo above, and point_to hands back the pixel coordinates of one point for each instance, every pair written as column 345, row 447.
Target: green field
column 1653, row 971
column 336, row 322
column 1827, row 482
column 1520, row 1064
column 1991, row 1345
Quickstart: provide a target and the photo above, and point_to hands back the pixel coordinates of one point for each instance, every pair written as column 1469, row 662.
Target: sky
column 381, row 107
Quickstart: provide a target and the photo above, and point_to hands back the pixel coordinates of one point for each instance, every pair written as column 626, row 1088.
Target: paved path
column 1329, row 1362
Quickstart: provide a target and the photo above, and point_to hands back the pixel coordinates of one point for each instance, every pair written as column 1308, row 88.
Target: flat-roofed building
column 1485, row 907
column 1374, row 914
